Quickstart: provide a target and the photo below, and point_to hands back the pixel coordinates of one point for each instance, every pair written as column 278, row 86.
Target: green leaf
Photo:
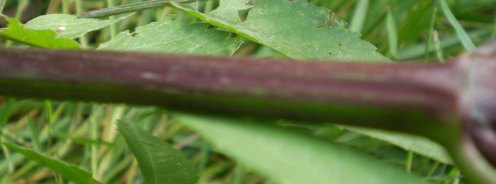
column 66, row 170
column 288, row 157
column 158, row 160
column 296, row 28
column 68, row 26
column 40, row 38
column 420, row 145
column 175, row 36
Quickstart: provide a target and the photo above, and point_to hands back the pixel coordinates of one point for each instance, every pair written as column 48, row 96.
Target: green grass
column 85, row 134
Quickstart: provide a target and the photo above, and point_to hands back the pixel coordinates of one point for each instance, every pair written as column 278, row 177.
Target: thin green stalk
column 5, row 113
column 79, row 9
column 432, row 25
column 116, row 10
column 21, row 6
column 93, row 131
column 2, row 5
column 464, row 38
column 49, row 112
column 433, row 169
column 392, row 33
column 359, row 16
column 437, row 45
column 52, row 7
column 409, row 161
column 238, row 175
column 6, row 153
column 494, row 28
column 65, row 6
column 113, row 28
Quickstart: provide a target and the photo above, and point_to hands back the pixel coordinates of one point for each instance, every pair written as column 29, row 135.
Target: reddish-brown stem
column 377, row 95
column 426, row 99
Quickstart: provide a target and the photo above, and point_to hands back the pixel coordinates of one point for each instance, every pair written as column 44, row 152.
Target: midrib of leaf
column 158, row 160
column 132, row 133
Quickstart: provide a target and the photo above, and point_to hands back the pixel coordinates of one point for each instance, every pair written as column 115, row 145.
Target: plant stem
column 115, row 10
column 376, row 95
column 380, row 93
column 448, row 102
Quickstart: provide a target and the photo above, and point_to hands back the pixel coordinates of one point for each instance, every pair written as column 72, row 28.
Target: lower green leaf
column 159, row 161
column 420, row 145
column 69, row 26
column 15, row 31
column 288, row 157
column 66, row 170
column 176, row 36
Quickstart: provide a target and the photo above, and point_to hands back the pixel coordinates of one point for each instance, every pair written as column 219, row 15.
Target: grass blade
column 68, row 171
column 463, row 36
column 359, row 16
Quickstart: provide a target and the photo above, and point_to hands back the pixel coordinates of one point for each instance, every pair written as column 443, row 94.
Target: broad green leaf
column 66, row 170
column 68, row 26
column 159, row 161
column 420, row 145
column 296, row 28
column 175, row 36
column 40, row 38
column 288, row 157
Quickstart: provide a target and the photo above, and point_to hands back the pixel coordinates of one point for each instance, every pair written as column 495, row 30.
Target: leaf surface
column 159, row 161
column 419, row 145
column 69, row 26
column 175, row 36
column 15, row 31
column 296, row 28
column 66, row 170
column 289, row 157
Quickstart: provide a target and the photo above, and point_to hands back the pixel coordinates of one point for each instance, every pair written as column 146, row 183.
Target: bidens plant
column 448, row 103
